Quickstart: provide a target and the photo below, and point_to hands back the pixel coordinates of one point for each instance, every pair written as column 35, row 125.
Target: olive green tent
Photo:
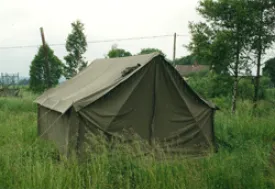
column 143, row 93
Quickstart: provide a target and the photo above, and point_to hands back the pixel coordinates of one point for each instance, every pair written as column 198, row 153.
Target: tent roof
column 101, row 76
column 97, row 79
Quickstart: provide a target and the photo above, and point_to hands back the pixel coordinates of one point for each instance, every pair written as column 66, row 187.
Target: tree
column 269, row 69
column 38, row 76
column 76, row 45
column 213, row 48
column 150, row 50
column 118, row 52
column 224, row 39
column 262, row 15
column 212, row 85
column 186, row 60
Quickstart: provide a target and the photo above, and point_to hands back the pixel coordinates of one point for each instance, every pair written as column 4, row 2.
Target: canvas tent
column 144, row 93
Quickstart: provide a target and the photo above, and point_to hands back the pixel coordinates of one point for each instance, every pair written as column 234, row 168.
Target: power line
column 182, row 35
column 90, row 42
column 121, row 39
column 17, row 47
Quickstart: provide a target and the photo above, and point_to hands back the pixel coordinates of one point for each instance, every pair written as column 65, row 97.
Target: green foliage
column 38, row 76
column 186, row 60
column 241, row 162
column 269, row 69
column 76, row 45
column 270, row 95
column 224, row 35
column 210, row 84
column 117, row 52
column 233, row 29
column 16, row 105
column 263, row 87
column 262, row 16
column 213, row 48
column 246, row 88
column 262, row 33
column 150, row 50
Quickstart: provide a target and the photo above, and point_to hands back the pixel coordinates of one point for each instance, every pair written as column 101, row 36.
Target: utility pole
column 174, row 49
column 47, row 66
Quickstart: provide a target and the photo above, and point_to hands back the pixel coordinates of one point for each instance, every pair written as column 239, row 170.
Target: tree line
column 76, row 46
column 232, row 38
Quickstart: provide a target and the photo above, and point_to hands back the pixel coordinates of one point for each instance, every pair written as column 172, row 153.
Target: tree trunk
column 236, row 76
column 257, row 80
column 235, row 87
column 259, row 56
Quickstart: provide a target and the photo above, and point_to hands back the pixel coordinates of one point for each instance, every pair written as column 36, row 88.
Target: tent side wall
column 53, row 126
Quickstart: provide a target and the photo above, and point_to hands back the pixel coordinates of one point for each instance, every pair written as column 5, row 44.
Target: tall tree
column 76, row 45
column 213, row 48
column 118, row 52
column 228, row 20
column 38, row 76
column 150, row 50
column 262, row 15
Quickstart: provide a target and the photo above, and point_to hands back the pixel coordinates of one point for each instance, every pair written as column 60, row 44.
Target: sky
column 103, row 20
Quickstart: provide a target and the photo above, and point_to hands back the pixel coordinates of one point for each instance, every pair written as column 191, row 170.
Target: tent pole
column 174, row 49
column 46, row 57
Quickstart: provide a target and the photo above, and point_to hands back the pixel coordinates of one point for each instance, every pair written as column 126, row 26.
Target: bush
column 246, row 88
column 270, row 94
column 211, row 85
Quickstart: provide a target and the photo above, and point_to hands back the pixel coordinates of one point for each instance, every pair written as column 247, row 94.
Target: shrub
column 210, row 85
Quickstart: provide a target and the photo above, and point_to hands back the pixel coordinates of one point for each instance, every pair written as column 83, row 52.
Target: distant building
column 185, row 70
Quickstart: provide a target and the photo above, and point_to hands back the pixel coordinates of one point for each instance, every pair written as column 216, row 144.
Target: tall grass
column 241, row 162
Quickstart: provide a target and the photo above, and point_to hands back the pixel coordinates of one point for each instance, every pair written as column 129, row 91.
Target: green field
column 242, row 160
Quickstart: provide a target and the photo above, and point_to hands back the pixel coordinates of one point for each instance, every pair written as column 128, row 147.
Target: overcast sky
column 103, row 20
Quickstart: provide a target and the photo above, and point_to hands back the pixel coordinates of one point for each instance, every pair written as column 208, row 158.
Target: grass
column 242, row 161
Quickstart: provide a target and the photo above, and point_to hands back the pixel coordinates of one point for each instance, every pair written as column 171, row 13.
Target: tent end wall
column 96, row 111
column 53, row 126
